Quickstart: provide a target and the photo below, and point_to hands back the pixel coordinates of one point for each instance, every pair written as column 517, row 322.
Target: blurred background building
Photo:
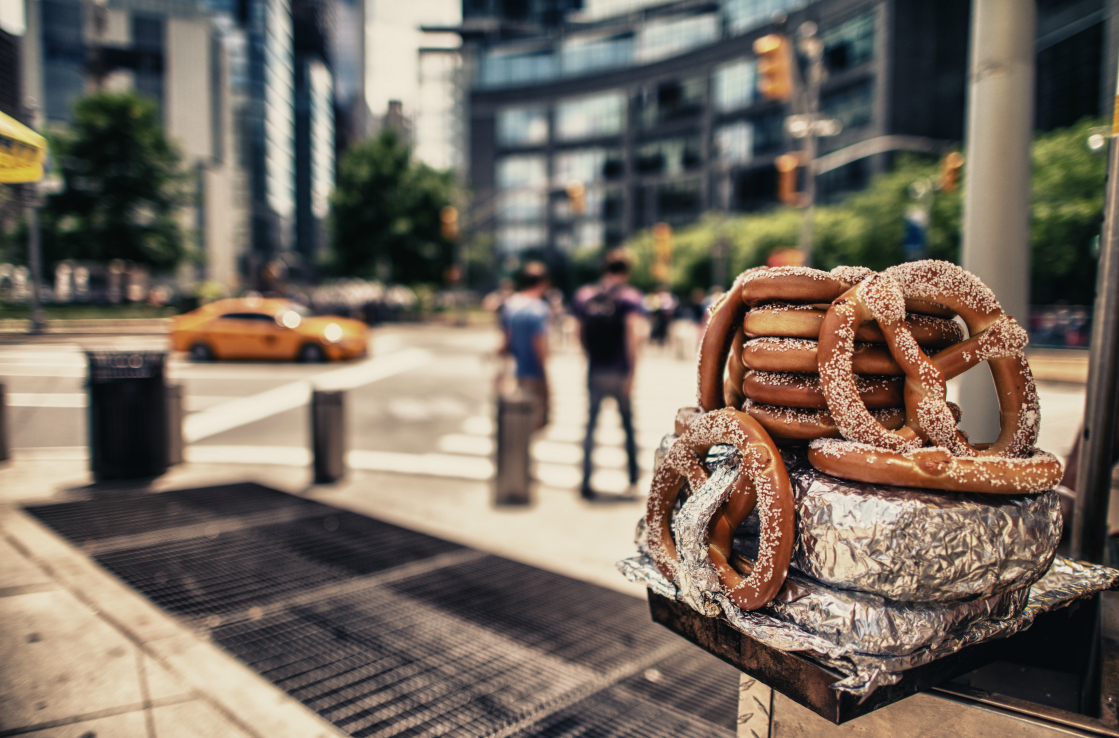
column 654, row 108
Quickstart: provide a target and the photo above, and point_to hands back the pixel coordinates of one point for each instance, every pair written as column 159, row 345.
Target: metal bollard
column 328, row 435
column 514, row 432
column 5, row 444
column 174, row 394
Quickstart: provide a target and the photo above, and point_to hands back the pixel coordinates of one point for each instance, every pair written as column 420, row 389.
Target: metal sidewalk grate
column 388, row 632
column 142, row 512
column 582, row 623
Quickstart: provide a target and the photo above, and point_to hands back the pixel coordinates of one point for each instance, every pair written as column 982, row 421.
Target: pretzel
column 733, row 388
column 796, row 425
column 995, row 338
column 936, row 468
column 801, row 390
column 800, row 355
column 762, row 483
column 804, row 321
column 754, row 286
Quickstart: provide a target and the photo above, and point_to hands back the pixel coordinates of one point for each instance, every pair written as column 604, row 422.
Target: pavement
column 83, row 655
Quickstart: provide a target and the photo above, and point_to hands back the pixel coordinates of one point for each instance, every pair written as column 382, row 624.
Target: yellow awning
column 22, row 152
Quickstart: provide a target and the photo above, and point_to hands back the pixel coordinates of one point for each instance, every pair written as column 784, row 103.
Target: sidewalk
column 84, row 654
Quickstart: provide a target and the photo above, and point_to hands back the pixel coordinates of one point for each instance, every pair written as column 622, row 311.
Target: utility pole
column 996, row 212
column 812, row 48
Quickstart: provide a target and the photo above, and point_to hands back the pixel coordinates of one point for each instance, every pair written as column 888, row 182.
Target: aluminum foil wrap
column 917, row 545
column 869, row 639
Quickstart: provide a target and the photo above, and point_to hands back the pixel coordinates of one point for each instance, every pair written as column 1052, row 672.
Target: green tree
column 124, row 186
column 1065, row 215
column 386, row 211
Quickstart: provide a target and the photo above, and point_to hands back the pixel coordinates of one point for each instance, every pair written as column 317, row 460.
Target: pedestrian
column 524, row 323
column 608, row 313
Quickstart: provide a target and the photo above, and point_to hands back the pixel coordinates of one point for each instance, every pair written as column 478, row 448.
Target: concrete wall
column 187, row 85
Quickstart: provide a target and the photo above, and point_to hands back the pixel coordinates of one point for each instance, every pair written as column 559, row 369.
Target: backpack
column 604, row 329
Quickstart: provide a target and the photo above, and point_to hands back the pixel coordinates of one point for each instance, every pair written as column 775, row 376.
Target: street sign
column 22, row 152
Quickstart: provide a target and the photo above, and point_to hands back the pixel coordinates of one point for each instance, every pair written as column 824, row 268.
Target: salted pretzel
column 753, row 287
column 796, row 425
column 771, row 354
column 995, row 338
column 804, row 321
column 803, row 390
column 936, row 468
column 762, row 483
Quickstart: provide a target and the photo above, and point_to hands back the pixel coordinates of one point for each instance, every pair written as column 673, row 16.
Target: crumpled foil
column 868, row 639
column 921, row 546
column 906, row 544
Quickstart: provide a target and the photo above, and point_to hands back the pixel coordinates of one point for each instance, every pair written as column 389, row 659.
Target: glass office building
column 656, row 111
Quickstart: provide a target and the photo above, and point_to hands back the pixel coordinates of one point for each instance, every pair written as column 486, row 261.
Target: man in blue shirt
column 524, row 321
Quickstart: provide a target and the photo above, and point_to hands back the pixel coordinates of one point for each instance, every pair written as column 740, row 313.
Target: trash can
column 328, row 435
column 514, row 433
column 128, row 423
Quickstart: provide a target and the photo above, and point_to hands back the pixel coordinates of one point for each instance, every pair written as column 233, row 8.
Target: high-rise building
column 656, row 110
column 190, row 63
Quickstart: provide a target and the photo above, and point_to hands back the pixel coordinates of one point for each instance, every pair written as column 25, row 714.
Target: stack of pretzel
column 855, row 363
column 772, row 369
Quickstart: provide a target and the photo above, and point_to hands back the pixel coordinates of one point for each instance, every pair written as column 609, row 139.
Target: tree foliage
column 124, row 186
column 867, row 227
column 386, row 210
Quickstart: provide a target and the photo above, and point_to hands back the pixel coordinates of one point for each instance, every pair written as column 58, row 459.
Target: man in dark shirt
column 608, row 313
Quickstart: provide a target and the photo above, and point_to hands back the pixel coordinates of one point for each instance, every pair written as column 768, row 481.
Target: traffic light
column 775, row 67
column 662, row 251
column 448, row 218
column 577, row 197
column 950, row 167
column 787, row 166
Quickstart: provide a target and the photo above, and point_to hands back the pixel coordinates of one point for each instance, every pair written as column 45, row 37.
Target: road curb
column 240, row 694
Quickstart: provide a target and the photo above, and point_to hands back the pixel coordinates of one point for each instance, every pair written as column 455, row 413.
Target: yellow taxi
column 266, row 328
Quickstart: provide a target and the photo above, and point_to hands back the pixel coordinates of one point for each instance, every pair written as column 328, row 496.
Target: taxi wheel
column 312, row 353
column 201, row 352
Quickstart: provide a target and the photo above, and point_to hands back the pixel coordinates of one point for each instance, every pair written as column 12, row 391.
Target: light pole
column 812, row 48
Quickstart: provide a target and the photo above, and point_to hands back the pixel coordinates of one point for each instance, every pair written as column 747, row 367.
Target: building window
column 585, row 55
column 745, row 15
column 63, row 58
column 522, row 126
column 660, row 39
column 852, row 106
column 768, row 133
column 849, row 44
column 735, row 142
column 512, row 238
column 519, row 206
column 521, row 171
column 148, row 45
column 590, row 117
column 669, row 156
column 678, row 201
column 503, row 70
column 735, row 85
column 671, row 101
column 587, row 166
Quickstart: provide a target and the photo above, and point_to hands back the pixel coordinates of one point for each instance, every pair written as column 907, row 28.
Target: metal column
column 328, row 435
column 996, row 214
column 1101, row 407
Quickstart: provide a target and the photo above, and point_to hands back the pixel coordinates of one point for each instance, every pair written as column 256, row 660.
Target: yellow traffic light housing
column 787, row 166
column 775, row 67
column 448, row 218
column 950, row 167
column 577, row 198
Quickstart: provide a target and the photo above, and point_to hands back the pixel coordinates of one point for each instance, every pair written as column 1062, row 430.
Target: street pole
column 996, row 212
column 1101, row 403
column 34, row 257
column 813, row 48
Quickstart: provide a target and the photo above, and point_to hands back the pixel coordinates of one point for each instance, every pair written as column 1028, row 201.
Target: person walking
column 608, row 313
column 524, row 323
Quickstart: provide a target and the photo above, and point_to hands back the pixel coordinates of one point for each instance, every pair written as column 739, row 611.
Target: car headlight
column 290, row 319
column 332, row 332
